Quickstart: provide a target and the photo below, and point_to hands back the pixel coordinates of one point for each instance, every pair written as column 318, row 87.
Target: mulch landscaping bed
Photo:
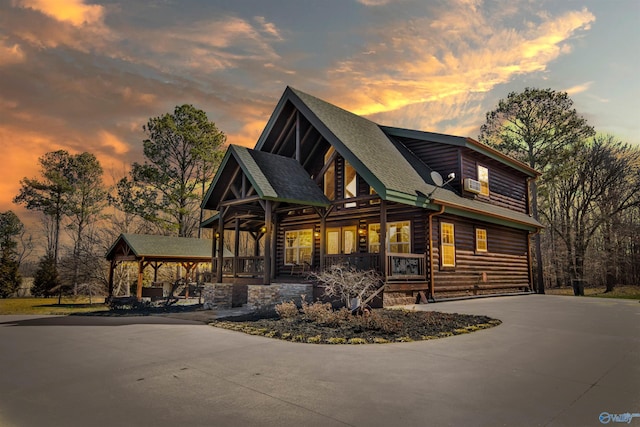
column 378, row 326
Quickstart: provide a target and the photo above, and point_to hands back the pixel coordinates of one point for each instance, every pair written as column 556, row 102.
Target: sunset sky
column 85, row 75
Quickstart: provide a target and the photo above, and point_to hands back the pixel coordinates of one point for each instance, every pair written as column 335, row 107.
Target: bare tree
column 346, row 283
column 589, row 191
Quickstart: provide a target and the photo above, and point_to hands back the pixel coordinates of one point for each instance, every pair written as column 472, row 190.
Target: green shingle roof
column 366, row 147
column 162, row 247
column 274, row 177
column 394, row 172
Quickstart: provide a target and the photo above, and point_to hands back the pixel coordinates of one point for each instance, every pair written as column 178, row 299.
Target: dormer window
column 483, row 178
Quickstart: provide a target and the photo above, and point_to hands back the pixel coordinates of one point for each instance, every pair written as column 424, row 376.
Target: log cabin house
column 325, row 186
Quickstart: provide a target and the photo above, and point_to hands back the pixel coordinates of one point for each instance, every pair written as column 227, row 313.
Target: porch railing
column 406, row 267
column 240, row 266
column 397, row 267
column 361, row 261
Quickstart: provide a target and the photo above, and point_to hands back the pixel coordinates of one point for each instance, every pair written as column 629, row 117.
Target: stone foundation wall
column 217, row 296
column 224, row 296
column 398, row 298
column 261, row 297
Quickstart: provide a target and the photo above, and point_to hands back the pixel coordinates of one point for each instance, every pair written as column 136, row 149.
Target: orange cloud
column 447, row 59
column 579, row 88
column 20, row 161
column 10, row 54
column 74, row 11
column 133, row 96
column 112, row 142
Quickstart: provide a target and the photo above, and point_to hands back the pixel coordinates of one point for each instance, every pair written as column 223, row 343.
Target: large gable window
column 448, row 245
column 350, row 184
column 340, row 179
column 298, row 246
column 330, row 176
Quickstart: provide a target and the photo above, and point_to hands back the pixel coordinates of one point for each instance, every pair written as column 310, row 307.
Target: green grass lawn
column 625, row 292
column 69, row 305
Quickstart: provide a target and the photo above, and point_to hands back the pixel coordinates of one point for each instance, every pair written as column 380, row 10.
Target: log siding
column 503, row 267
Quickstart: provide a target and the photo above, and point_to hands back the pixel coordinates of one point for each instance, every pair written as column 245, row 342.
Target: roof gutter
column 431, row 275
column 529, row 225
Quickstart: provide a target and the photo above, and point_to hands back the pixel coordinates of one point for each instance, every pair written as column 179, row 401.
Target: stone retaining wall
column 217, row 296
column 260, row 297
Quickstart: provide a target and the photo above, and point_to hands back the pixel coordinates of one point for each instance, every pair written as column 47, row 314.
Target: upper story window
column 330, row 176
column 350, row 185
column 483, row 178
column 340, row 179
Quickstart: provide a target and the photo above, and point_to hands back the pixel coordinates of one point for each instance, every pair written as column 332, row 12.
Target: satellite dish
column 437, row 179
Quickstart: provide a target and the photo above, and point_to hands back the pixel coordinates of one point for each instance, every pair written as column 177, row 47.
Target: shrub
column 287, row 310
column 318, row 312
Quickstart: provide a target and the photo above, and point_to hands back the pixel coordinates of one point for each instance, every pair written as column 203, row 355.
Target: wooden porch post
column 323, row 240
column 220, row 248
column 236, row 247
column 267, row 243
column 274, row 243
column 214, row 244
column 383, row 238
column 112, row 266
column 140, row 272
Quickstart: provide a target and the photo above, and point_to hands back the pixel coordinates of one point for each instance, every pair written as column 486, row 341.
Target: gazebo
column 152, row 250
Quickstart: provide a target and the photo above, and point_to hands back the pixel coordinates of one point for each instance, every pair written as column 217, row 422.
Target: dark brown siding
column 505, row 266
column 506, row 188
column 440, row 157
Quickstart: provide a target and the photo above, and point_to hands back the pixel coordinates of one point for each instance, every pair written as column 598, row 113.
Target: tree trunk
column 539, row 279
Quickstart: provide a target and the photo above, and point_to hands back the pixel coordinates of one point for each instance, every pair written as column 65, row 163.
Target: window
column 341, row 240
column 483, row 177
column 330, row 176
column 373, row 192
column 447, row 237
column 350, row 184
column 398, row 237
column 481, row 240
column 298, row 246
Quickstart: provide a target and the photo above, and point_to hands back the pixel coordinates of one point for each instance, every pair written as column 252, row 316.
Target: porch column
column 236, row 247
column 214, row 248
column 220, row 248
column 266, row 280
column 383, row 237
column 323, row 240
column 139, row 285
column 274, row 242
column 112, row 266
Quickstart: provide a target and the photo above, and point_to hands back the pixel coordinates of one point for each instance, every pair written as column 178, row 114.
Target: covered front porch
column 276, row 225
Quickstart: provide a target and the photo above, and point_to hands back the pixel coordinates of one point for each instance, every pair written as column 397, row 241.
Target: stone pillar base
column 217, row 296
column 265, row 297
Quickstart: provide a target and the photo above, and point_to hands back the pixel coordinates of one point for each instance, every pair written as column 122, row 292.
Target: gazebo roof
column 131, row 247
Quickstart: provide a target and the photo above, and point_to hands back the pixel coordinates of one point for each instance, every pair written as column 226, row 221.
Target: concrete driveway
column 554, row 361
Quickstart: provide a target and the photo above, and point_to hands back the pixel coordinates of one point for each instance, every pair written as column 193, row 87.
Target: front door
column 341, row 240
